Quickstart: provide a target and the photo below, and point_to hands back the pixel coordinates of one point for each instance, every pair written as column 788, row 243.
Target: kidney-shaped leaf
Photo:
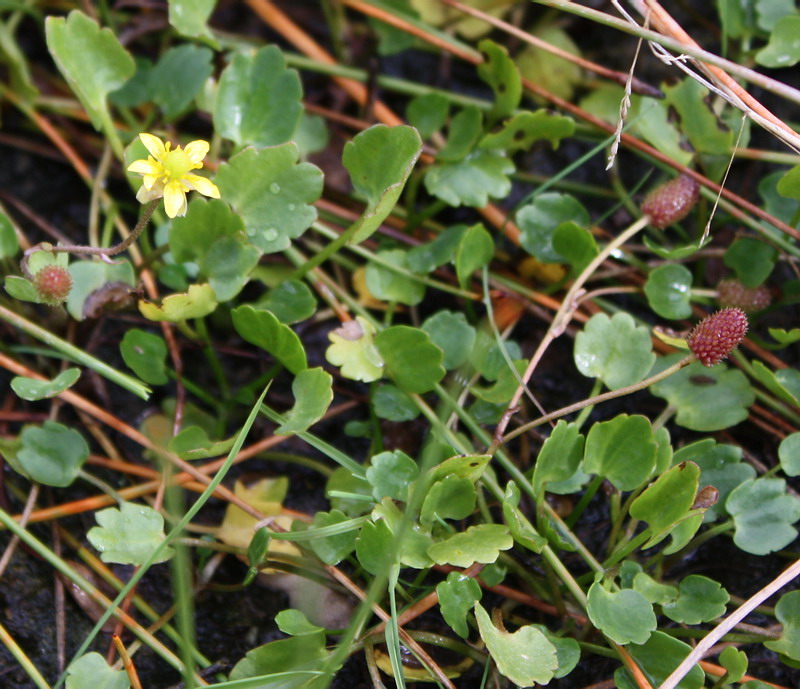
column 353, row 348
column 391, row 475
column 763, row 513
column 128, row 535
column 379, row 161
column 540, row 218
column 623, row 616
column 272, row 193
column 32, row 389
column 668, row 289
column 92, row 670
column 411, row 359
column 262, row 329
column 782, row 49
column 259, row 100
column 615, row 350
column 700, row 599
column 52, row 453
column 525, row 657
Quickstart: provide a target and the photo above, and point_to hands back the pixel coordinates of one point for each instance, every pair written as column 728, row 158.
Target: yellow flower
column 167, row 173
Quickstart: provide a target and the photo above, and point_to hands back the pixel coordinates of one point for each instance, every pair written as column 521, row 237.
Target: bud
column 53, row 284
column 731, row 292
column 718, row 335
column 671, row 202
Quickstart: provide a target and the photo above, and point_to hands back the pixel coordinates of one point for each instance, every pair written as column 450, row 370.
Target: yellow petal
column 151, row 182
column 153, row 144
column 205, row 186
column 196, row 151
column 174, row 199
column 144, row 194
column 145, row 167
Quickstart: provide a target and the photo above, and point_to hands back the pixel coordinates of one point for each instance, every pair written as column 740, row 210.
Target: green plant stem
column 21, row 657
column 583, row 503
column 561, row 320
column 627, row 548
column 641, row 385
column 73, row 353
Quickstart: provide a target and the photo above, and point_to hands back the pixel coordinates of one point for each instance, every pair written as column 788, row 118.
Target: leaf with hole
column 129, row 534
column 499, row 71
column 379, row 161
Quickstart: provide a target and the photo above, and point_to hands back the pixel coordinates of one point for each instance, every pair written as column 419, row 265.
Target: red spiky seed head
column 718, row 335
column 53, row 284
column 671, row 202
column 731, row 292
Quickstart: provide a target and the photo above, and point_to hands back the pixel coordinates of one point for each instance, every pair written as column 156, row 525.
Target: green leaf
column 783, row 49
column 788, row 613
column 374, row 547
column 425, row 258
column 735, row 662
column 178, row 76
column 342, row 480
column 199, row 301
column 262, row 329
column 522, row 530
column 450, row 332
column 763, row 513
column 21, row 289
column 615, row 350
column 467, row 466
column 297, row 654
column 411, row 359
column 353, row 348
column 457, row 594
column 212, row 236
column 32, row 389
column 768, row 12
column 707, row 398
column 78, row 41
column 568, row 651
column 539, row 219
column 525, row 657
column 291, row 301
column 259, row 100
column 499, row 71
column 313, row 393
column 623, row 450
column 192, row 442
column 390, row 285
column 653, row 591
column 576, row 244
column 560, row 455
column 623, row 616
column 451, row 498
column 526, row 128
column 272, row 193
column 9, row 244
column 475, row 250
column 379, row 161
column 92, row 670
column 392, row 404
column 752, row 260
column 657, row 659
column 334, row 548
column 91, row 280
column 785, row 337
column 470, row 182
column 551, row 72
column 391, row 474
column 721, row 466
column 789, row 454
column 667, row 501
column 295, row 623
column 128, row 535
column 52, row 454
column 788, row 184
column 428, row 113
column 481, row 543
column 700, row 599
column 190, row 17
column 668, row 290
column 146, row 354
column 462, row 135
column 504, row 388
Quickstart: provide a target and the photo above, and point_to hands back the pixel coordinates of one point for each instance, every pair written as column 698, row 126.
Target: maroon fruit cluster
column 732, row 293
column 53, row 284
column 671, row 202
column 718, row 335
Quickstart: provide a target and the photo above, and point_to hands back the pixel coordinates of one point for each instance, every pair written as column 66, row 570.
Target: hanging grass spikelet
column 671, row 202
column 716, row 336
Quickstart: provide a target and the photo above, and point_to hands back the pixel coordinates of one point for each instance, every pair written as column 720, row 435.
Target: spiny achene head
column 53, row 284
column 671, row 202
column 718, row 335
column 731, row 292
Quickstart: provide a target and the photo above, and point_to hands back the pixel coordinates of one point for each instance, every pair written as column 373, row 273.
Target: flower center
column 177, row 163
